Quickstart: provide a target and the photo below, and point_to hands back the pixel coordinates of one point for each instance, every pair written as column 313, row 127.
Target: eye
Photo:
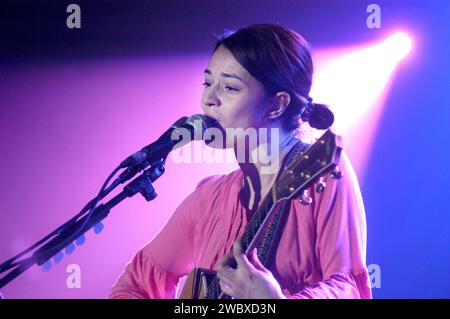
column 230, row 88
column 206, row 84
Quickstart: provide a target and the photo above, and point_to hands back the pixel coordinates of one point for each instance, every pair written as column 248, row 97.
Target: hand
column 250, row 280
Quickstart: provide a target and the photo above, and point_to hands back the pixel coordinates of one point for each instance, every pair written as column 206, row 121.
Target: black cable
column 99, row 196
column 21, row 267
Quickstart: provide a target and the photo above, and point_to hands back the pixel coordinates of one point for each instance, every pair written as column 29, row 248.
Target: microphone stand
column 73, row 229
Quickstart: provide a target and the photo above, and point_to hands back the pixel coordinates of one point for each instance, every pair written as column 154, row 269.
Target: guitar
column 307, row 168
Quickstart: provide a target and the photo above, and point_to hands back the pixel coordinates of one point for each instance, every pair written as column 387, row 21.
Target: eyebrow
column 227, row 75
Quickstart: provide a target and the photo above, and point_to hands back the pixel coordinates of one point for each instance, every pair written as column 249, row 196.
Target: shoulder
column 207, row 194
column 343, row 177
column 340, row 186
column 345, row 166
column 215, row 182
column 342, row 192
column 210, row 193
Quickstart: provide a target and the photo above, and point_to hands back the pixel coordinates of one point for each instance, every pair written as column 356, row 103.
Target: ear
column 278, row 105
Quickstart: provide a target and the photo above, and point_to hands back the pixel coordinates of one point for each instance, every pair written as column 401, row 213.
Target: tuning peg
column 336, row 173
column 321, row 185
column 305, row 199
column 98, row 228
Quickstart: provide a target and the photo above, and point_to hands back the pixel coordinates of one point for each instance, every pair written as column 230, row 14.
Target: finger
column 226, row 273
column 227, row 281
column 226, row 289
column 254, row 260
column 226, row 261
column 240, row 256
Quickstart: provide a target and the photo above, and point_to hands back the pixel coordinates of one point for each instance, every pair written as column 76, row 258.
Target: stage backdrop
column 75, row 102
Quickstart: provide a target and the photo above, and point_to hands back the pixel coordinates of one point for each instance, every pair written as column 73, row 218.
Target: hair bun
column 321, row 118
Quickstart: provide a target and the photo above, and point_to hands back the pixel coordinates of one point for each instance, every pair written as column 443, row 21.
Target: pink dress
column 321, row 253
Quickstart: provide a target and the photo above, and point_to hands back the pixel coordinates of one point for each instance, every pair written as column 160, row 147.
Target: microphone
column 194, row 125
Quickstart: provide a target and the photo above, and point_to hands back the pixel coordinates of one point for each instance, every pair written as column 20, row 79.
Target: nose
column 211, row 99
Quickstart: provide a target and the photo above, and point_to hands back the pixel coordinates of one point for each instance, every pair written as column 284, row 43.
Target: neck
column 264, row 162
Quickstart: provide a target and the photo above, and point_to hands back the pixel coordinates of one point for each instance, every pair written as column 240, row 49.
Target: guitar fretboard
column 251, row 231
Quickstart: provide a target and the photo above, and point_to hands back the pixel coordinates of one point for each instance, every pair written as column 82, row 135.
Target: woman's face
column 231, row 95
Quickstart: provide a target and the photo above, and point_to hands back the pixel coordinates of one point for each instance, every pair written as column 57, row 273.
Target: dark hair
column 280, row 59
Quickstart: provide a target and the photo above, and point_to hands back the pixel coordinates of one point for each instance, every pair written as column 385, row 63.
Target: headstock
column 318, row 159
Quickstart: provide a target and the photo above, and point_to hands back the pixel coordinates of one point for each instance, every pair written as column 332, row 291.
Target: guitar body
column 197, row 283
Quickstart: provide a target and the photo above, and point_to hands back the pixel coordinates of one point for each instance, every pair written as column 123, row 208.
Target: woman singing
column 259, row 77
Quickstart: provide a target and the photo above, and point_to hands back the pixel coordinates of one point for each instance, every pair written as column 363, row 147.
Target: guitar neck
column 254, row 227
column 248, row 241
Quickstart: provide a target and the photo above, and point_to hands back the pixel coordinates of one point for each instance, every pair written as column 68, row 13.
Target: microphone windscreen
column 200, row 123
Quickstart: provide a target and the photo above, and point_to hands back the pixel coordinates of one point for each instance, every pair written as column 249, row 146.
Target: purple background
column 74, row 103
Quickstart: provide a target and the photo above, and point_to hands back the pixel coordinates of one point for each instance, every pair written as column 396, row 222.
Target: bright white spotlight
column 354, row 83
column 399, row 45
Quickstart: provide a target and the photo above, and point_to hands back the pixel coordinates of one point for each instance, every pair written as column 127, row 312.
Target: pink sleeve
column 156, row 268
column 143, row 278
column 341, row 239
